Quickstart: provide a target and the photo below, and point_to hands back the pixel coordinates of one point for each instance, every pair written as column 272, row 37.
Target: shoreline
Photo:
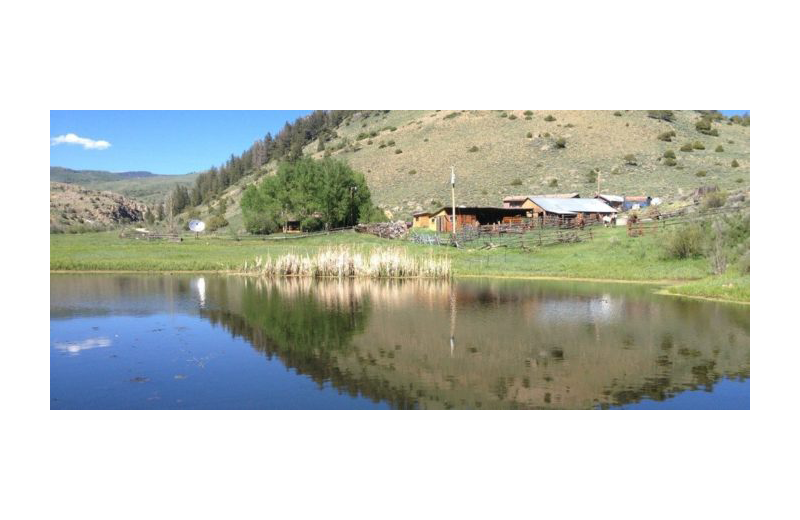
column 661, row 292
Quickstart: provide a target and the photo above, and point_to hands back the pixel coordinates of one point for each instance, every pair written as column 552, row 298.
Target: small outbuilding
column 422, row 220
column 635, row 202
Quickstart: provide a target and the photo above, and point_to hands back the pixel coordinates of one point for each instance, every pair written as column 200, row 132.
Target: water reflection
column 75, row 347
column 471, row 344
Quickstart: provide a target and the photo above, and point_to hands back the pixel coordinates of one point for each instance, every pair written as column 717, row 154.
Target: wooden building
column 473, row 216
column 423, row 220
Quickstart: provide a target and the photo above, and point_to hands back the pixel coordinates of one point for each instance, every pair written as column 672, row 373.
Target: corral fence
column 527, row 237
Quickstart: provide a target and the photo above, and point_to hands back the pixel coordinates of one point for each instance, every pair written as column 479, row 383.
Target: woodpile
column 396, row 229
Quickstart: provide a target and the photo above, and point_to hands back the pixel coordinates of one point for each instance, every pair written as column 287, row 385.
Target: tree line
column 286, row 145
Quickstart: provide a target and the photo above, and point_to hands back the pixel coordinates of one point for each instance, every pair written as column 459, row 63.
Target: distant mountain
column 145, row 186
column 59, row 174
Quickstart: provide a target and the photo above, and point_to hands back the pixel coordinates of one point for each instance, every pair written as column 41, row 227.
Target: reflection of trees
column 286, row 319
column 515, row 350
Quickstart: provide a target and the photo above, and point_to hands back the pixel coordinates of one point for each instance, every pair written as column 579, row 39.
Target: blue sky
column 165, row 142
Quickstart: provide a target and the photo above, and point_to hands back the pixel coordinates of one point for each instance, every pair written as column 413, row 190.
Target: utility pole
column 453, row 193
column 598, row 183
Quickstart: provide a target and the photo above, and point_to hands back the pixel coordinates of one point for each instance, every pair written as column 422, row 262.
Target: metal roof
column 572, row 206
column 612, row 198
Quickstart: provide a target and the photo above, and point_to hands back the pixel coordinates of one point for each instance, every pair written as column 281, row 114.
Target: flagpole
column 453, row 193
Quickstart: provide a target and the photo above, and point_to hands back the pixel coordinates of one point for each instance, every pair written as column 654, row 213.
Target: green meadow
column 611, row 255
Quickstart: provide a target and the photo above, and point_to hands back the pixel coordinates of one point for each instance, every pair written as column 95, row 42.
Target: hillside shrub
column 503, row 114
column 553, row 183
column 666, row 136
column 734, row 163
column 669, row 154
column 701, row 173
column 561, row 142
column 390, row 143
column 687, row 147
column 739, row 180
column 669, row 161
column 529, row 135
column 697, row 145
column 452, row 115
column 382, row 145
column 630, row 160
column 719, row 148
column 528, row 113
column 398, row 151
column 473, row 148
column 549, row 118
column 412, row 172
column 618, row 113
column 616, row 171
column 715, row 199
column 591, row 176
column 516, row 182
column 512, row 117
column 684, row 242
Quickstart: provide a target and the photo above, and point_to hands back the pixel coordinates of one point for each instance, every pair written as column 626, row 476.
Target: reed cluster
column 344, row 262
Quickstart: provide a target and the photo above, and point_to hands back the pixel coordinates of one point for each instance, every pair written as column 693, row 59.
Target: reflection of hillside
column 517, row 345
column 131, row 294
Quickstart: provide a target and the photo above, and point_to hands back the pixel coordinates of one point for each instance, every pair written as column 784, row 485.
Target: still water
column 229, row 342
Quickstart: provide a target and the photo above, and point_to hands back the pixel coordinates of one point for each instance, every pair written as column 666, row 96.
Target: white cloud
column 88, row 144
column 75, row 347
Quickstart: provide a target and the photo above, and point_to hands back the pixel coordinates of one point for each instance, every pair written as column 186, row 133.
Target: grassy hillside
column 144, row 186
column 75, row 208
column 406, row 155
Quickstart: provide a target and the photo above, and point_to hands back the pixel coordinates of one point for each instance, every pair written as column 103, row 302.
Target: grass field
column 611, row 255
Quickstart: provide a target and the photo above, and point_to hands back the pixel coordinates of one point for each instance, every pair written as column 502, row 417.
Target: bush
column 719, row 148
column 452, row 115
column 703, row 126
column 473, row 149
column 630, row 160
column 390, row 143
column 591, row 176
column 528, row 113
column 512, row 117
column 687, row 147
column 549, row 118
column 618, row 113
column 701, row 173
column 216, row 222
column 553, row 183
column 529, row 135
column 684, row 242
column 739, row 180
column 398, row 151
column 666, row 136
column 734, row 164
column 715, row 199
column 669, row 161
column 669, row 154
column 697, row 145
column 412, row 172
column 503, row 114
column 516, row 182
column 616, row 171
column 561, row 142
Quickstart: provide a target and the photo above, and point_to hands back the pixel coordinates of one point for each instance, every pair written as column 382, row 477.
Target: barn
column 473, row 216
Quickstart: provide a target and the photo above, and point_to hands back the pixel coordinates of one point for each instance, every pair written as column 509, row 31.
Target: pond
column 160, row 341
